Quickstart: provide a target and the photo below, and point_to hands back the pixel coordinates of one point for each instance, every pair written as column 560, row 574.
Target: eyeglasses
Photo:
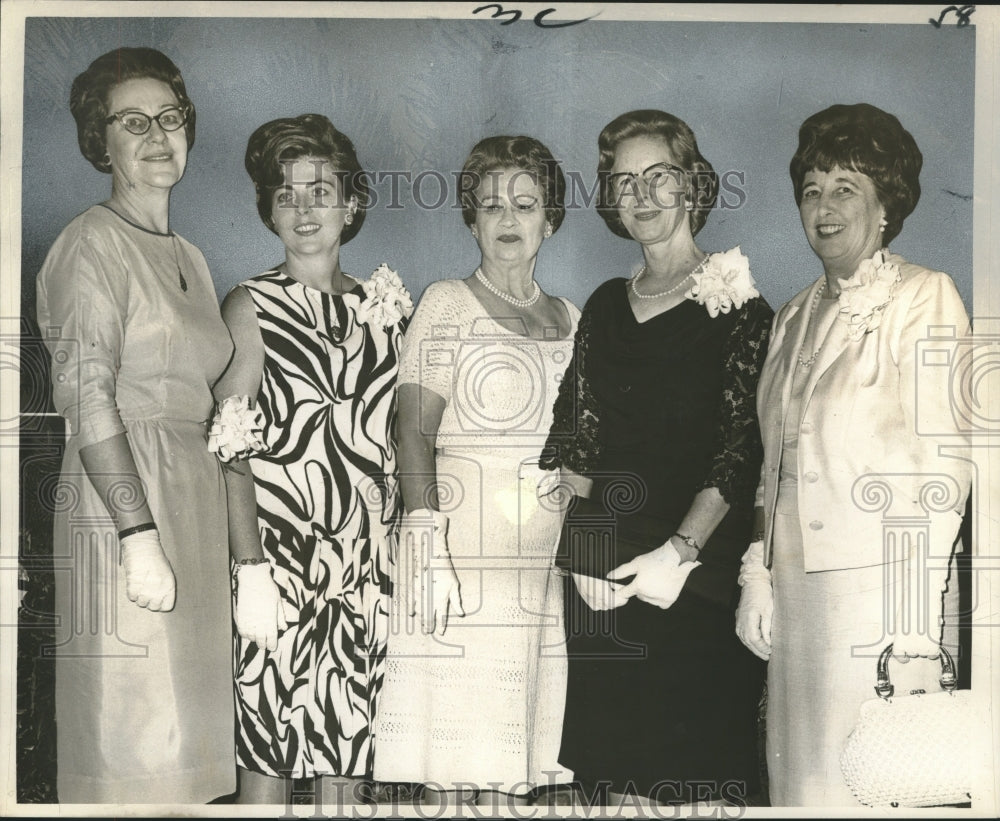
column 135, row 122
column 655, row 176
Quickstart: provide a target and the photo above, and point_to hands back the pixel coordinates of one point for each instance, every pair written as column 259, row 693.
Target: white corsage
column 386, row 299
column 723, row 283
column 865, row 295
column 237, row 429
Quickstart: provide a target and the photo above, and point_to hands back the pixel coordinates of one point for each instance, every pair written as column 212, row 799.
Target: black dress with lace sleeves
column 573, row 438
column 735, row 467
column 666, row 408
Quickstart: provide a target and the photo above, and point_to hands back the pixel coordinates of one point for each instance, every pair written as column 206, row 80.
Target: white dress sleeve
column 432, row 339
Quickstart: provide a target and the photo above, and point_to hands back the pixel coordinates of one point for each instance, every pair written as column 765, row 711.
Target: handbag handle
column 884, row 687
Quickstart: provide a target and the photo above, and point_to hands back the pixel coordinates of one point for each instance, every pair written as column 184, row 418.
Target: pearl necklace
column 807, row 363
column 642, row 272
column 513, row 300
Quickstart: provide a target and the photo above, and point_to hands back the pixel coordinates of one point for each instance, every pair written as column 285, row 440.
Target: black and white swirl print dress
column 327, row 501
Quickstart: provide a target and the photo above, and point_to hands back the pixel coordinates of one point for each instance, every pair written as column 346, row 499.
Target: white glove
column 149, row 578
column 433, row 584
column 913, row 645
column 659, row 576
column 550, row 482
column 918, row 617
column 753, row 616
column 598, row 594
column 561, row 484
column 259, row 613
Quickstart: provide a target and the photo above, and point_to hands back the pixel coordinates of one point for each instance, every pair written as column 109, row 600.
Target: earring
column 688, row 205
column 106, row 159
column 475, row 232
column 349, row 219
column 882, row 223
column 548, row 231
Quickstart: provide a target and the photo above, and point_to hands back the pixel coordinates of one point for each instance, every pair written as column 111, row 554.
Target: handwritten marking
column 498, row 12
column 956, row 194
column 962, row 12
column 514, row 15
column 539, row 18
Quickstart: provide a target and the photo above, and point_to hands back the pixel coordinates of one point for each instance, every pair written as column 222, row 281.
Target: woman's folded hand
column 149, row 578
column 914, row 645
column 598, row 594
column 753, row 616
column 259, row 613
column 659, row 576
column 433, row 587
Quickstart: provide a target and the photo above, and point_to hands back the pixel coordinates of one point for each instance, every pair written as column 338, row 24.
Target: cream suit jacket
column 880, row 450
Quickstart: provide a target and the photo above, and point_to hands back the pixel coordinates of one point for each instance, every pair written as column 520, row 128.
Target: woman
column 840, row 421
column 143, row 694
column 474, row 693
column 311, row 506
column 661, row 699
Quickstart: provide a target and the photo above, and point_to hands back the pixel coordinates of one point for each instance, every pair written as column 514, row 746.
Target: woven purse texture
column 912, row 750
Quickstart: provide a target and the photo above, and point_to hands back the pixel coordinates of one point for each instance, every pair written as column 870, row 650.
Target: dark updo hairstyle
column 308, row 135
column 494, row 154
column 702, row 181
column 88, row 98
column 868, row 140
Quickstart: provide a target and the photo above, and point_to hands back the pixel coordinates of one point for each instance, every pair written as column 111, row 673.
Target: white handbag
column 912, row 750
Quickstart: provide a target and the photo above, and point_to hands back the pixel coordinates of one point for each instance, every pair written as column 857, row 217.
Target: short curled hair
column 494, row 154
column 88, row 98
column 702, row 181
column 308, row 135
column 868, row 140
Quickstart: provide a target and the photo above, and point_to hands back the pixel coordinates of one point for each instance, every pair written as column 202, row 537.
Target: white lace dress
column 484, row 703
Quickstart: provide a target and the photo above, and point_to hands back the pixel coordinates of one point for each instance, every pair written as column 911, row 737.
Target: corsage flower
column 237, row 429
column 865, row 295
column 723, row 283
column 386, row 299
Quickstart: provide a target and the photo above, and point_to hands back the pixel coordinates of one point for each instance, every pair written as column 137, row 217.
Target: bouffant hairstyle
column 868, row 140
column 88, row 98
column 702, row 181
column 523, row 153
column 308, row 135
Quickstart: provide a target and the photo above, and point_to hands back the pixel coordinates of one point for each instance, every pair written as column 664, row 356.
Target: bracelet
column 436, row 518
column 758, row 536
column 131, row 531
column 247, row 563
column 690, row 541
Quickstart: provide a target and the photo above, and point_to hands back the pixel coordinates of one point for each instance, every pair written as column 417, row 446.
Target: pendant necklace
column 180, row 274
column 171, row 234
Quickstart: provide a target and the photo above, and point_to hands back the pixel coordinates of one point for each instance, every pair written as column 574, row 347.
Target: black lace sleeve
column 573, row 438
column 736, row 465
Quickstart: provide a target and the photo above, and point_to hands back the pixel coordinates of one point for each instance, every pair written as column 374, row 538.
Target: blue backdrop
column 415, row 95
